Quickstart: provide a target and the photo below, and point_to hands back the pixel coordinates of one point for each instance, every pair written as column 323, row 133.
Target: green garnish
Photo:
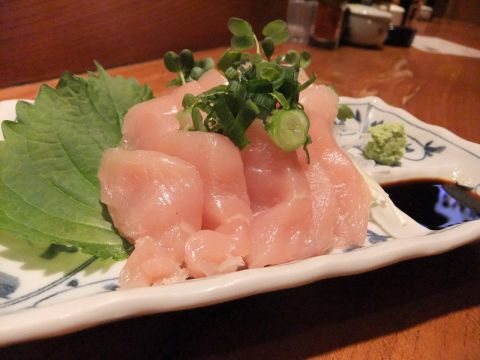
column 344, row 112
column 289, row 129
column 292, row 57
column 257, row 88
column 185, row 66
column 275, row 32
column 49, row 190
column 387, row 145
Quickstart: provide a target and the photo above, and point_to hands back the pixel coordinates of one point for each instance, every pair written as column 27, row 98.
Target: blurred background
column 41, row 39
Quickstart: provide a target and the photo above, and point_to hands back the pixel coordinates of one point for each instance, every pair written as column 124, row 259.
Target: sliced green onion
column 230, row 127
column 227, row 59
column 289, row 89
column 247, row 114
column 289, row 129
column 307, row 83
column 259, row 86
column 281, row 99
column 238, row 89
column 197, row 119
column 265, row 103
column 271, row 72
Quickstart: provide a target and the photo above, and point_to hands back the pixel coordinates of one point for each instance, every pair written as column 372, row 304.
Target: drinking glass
column 328, row 23
column 300, row 16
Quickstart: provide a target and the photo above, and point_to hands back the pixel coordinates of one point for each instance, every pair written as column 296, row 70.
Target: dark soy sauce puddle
column 434, row 203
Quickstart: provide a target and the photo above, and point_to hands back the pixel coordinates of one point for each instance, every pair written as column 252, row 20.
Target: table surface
column 426, row 308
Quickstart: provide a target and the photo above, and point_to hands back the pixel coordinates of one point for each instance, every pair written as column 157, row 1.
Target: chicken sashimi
column 226, row 205
column 153, row 197
column 280, row 196
column 146, row 122
column 352, row 196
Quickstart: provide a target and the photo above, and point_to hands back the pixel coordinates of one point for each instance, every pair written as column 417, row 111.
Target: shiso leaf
column 49, row 190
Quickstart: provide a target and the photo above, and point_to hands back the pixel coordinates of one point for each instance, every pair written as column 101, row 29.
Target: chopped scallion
column 289, row 129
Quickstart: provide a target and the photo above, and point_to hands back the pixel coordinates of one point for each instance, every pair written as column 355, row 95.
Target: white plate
column 41, row 297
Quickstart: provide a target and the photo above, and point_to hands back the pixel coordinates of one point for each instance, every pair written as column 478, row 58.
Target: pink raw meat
column 195, row 206
column 210, row 252
column 152, row 263
column 352, row 196
column 282, row 225
column 155, row 196
column 226, row 203
column 211, row 79
column 147, row 122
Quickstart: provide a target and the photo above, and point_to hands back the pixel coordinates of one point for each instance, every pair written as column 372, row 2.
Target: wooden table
column 421, row 309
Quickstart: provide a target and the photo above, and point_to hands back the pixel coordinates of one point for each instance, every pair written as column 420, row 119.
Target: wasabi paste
column 387, row 145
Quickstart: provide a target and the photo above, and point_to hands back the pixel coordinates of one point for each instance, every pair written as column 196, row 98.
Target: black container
column 400, row 36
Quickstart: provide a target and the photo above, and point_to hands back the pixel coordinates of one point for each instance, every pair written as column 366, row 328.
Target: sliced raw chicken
column 146, row 122
column 195, row 206
column 280, row 196
column 320, row 100
column 324, row 207
column 226, row 202
column 152, row 263
column 220, row 166
column 154, row 197
column 211, row 79
column 147, row 193
column 210, row 252
column 352, row 196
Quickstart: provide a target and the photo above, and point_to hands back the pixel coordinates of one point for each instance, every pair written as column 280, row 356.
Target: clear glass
column 300, row 17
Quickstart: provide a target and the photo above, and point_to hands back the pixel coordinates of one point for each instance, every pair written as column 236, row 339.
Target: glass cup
column 328, row 23
column 300, row 16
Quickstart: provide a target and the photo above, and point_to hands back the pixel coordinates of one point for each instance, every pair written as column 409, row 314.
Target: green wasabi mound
column 387, row 145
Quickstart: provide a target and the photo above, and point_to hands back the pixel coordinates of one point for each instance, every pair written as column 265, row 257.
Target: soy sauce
column 435, row 203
